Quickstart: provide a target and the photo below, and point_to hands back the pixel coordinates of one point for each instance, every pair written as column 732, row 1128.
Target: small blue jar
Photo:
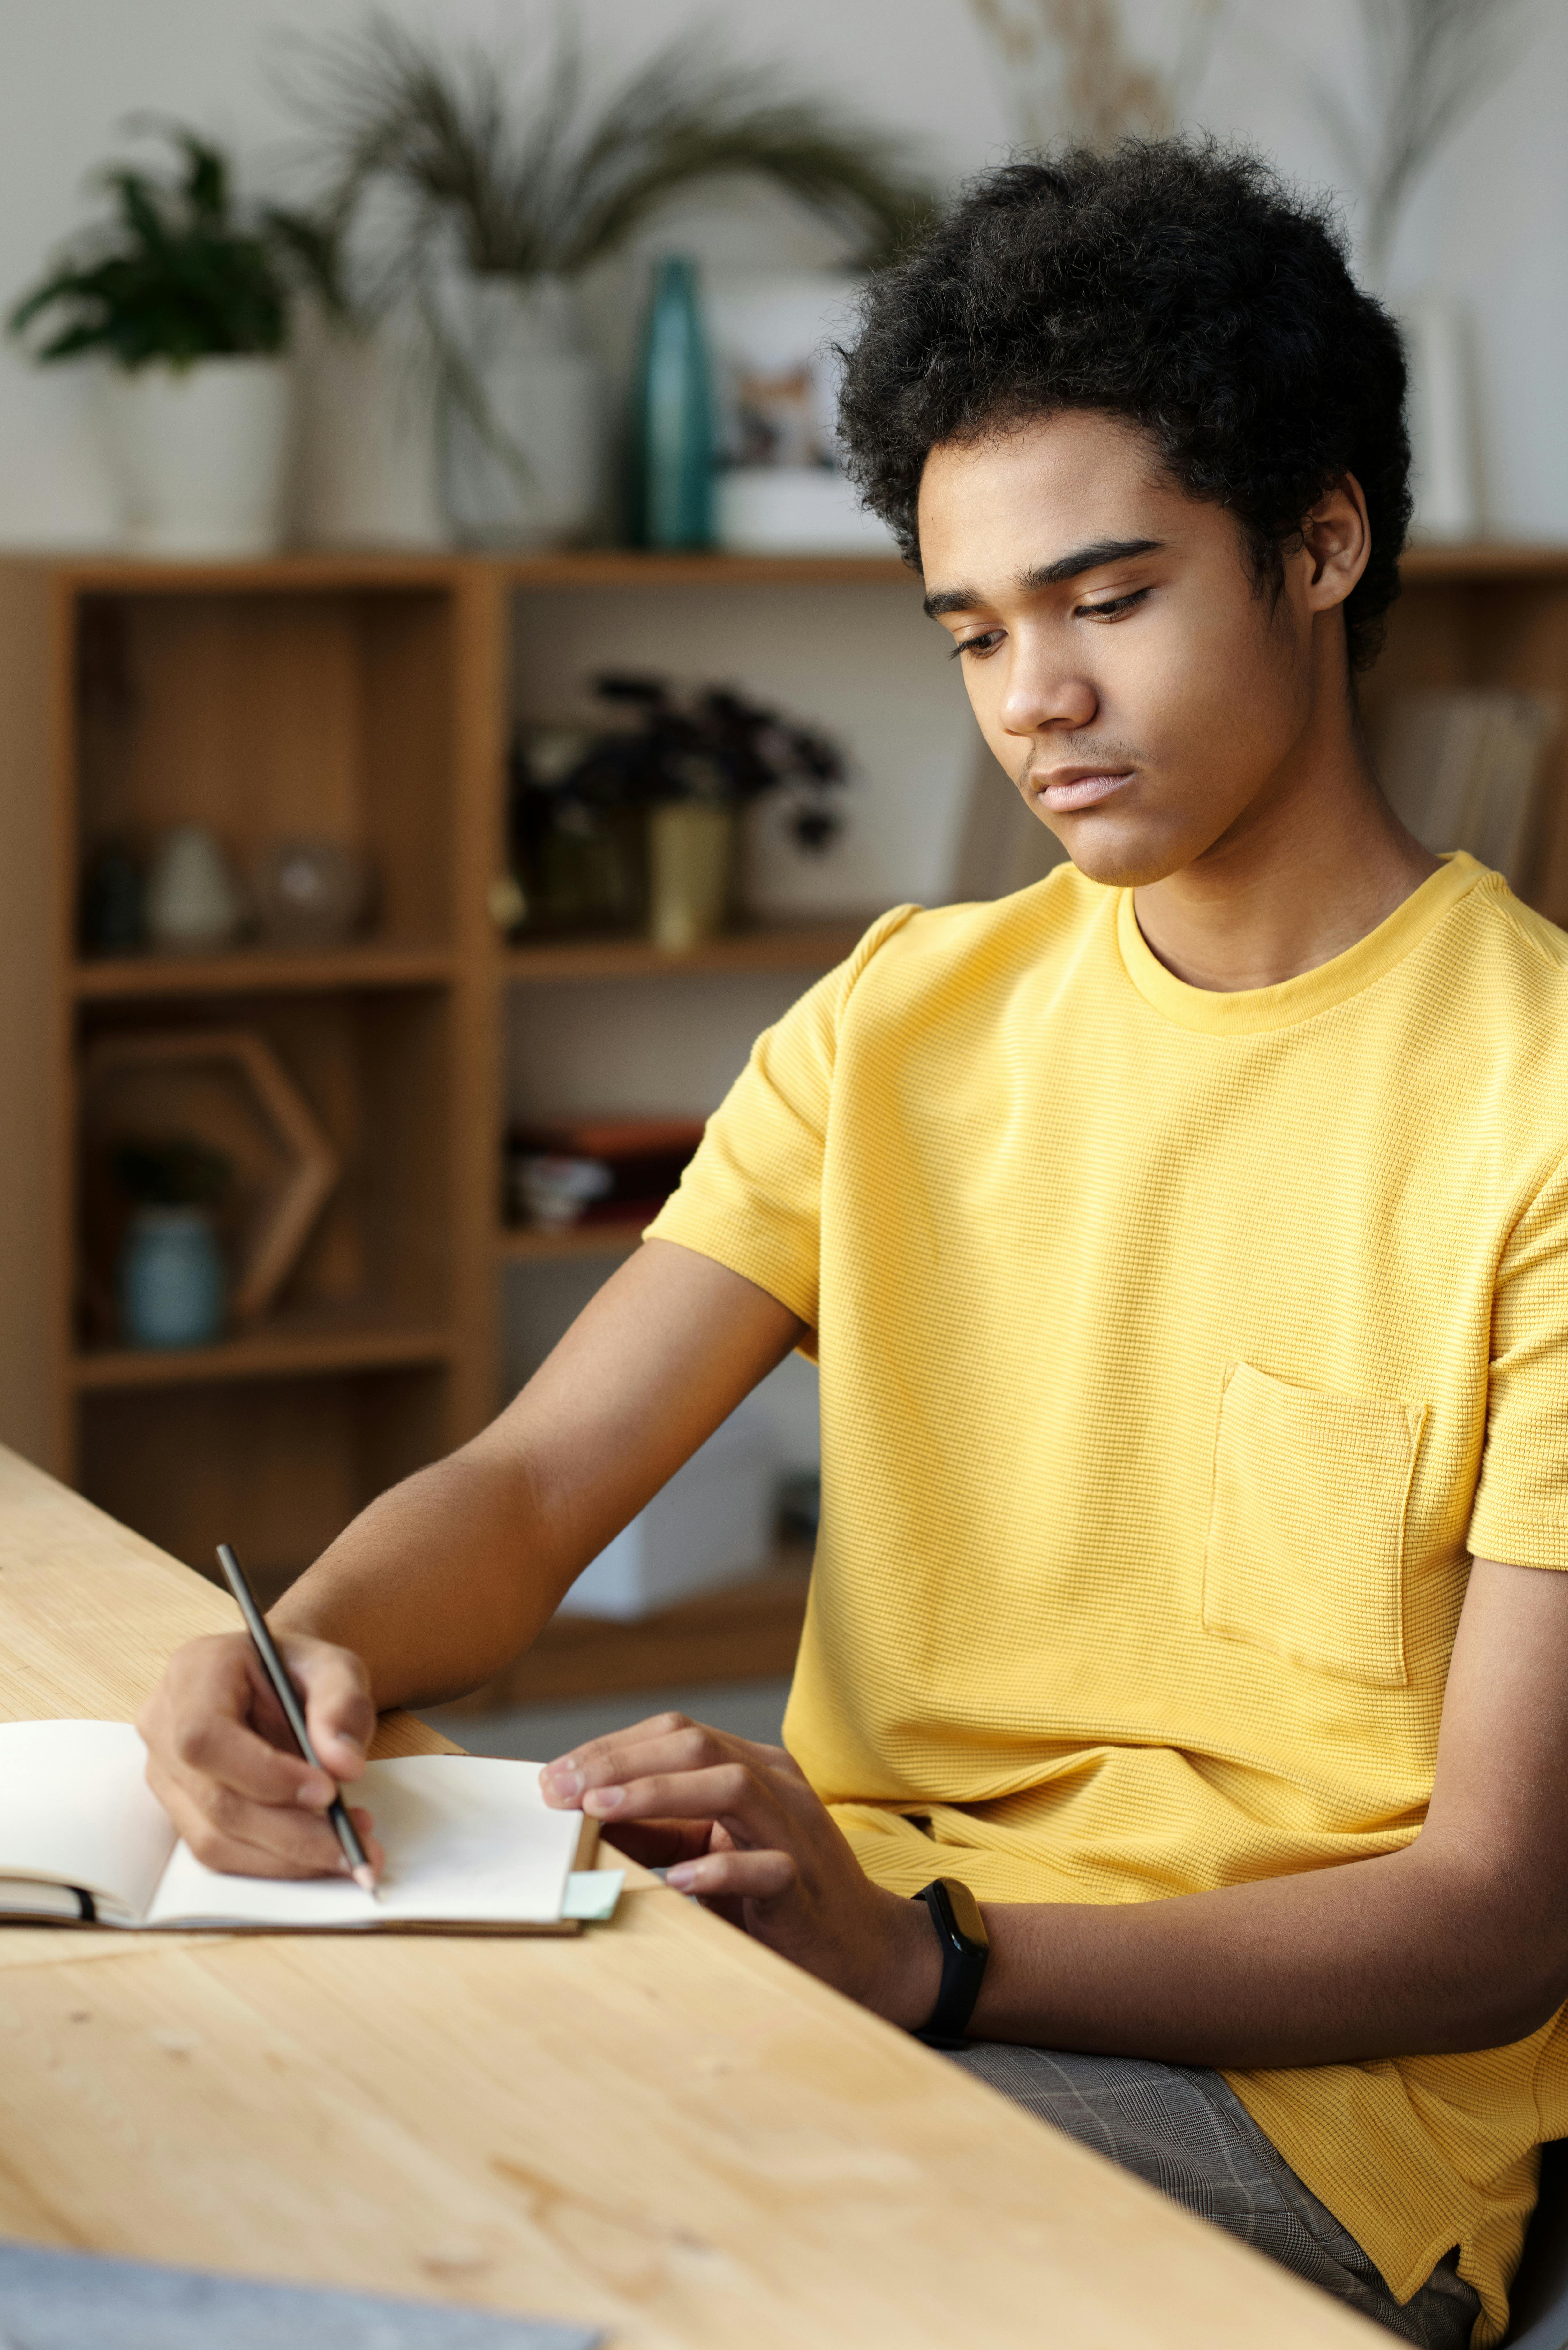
column 170, row 1281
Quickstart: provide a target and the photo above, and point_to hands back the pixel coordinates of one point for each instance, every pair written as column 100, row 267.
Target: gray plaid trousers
column 1185, row 2131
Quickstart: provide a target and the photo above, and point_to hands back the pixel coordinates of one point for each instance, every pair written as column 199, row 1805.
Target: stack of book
column 1463, row 770
column 596, row 1170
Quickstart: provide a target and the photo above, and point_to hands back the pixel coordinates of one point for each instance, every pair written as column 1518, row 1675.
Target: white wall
column 1490, row 225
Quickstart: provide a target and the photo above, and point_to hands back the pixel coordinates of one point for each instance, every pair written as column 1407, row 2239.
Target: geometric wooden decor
column 294, row 1201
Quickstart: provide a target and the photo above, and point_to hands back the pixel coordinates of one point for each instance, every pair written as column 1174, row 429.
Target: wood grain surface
column 660, row 2127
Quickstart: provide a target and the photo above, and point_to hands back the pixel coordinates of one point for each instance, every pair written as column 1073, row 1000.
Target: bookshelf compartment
column 276, row 1467
column 1455, row 628
column 266, row 716
column 374, row 1069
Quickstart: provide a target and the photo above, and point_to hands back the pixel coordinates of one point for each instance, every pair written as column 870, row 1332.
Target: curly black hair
column 1177, row 284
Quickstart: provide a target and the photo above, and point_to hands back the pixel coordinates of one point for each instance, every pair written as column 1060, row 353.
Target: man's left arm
column 1459, row 1941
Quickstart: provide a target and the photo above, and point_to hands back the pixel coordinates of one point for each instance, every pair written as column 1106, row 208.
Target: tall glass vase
column 671, row 470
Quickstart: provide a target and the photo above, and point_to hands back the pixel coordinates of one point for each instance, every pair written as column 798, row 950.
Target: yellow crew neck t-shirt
column 1178, row 1350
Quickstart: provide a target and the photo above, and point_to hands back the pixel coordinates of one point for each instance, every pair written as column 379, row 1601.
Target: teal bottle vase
column 672, row 424
column 170, row 1279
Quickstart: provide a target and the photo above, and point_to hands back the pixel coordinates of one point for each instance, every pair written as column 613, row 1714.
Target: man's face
column 1143, row 696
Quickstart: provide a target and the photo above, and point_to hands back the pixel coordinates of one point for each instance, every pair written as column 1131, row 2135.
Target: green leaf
column 172, row 276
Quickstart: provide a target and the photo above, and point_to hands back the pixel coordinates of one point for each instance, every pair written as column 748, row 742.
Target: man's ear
column 1336, row 542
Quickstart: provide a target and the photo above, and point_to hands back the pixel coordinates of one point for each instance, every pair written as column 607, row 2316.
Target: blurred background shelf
column 747, row 1630
column 304, row 1343
column 271, row 970
column 804, row 946
column 529, row 1247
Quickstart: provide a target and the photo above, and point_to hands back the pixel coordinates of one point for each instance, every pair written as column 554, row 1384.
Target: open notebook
column 468, row 1843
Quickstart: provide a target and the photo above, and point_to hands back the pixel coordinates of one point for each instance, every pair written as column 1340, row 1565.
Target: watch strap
column 961, row 1935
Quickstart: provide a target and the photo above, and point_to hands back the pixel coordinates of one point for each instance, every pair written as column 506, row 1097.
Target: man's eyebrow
column 1046, row 575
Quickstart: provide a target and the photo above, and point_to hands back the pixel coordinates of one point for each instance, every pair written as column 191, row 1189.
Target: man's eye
column 1114, row 610
column 977, row 645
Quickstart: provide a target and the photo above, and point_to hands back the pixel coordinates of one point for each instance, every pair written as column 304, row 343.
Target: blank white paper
column 76, row 1809
column 469, row 1840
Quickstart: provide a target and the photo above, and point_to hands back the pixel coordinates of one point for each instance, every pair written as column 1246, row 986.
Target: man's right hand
column 221, row 1761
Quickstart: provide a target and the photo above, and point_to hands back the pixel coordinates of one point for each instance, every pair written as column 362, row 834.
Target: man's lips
column 1065, row 788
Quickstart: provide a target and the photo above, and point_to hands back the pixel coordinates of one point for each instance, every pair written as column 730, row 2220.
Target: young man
column 1185, row 1245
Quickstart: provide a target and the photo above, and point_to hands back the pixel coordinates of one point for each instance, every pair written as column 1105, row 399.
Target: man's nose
column 1048, row 695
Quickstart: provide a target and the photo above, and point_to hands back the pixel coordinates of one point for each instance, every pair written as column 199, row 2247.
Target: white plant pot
column 367, row 472
column 1445, row 457
column 198, row 454
column 537, row 478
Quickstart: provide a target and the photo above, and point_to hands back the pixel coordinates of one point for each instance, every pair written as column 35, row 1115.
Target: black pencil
column 287, row 1696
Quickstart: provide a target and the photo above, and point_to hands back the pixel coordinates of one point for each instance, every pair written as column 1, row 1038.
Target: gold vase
column 691, row 859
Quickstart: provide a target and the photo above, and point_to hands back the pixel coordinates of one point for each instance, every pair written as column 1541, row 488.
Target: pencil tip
column 364, row 1878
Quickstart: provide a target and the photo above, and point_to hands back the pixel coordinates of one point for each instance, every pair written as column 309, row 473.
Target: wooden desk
column 658, row 2127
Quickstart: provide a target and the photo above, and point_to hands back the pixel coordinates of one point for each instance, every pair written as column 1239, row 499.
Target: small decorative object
column 113, row 913
column 671, row 467
column 193, row 905
column 1069, row 71
column 554, row 1192
column 234, row 1079
column 190, row 304
column 312, row 893
column 170, row 1281
column 780, row 489
column 596, row 1169
column 692, row 867
column 469, row 203
column 576, row 792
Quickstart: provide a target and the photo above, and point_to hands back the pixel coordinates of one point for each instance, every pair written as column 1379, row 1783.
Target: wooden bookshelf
column 368, row 699
column 260, row 971
column 531, row 1245
column 371, row 698
column 804, row 946
column 290, row 1345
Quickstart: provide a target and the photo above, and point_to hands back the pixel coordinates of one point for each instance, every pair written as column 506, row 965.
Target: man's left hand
column 737, row 1825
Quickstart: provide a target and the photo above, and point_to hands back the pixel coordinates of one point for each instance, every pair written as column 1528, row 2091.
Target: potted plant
column 188, row 301
column 639, row 823
column 478, row 209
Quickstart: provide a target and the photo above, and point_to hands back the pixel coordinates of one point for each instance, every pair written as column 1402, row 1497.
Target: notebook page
column 468, row 1841
column 76, row 1809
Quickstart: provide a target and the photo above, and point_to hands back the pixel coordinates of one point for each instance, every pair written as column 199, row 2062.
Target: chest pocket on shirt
column 1305, row 1553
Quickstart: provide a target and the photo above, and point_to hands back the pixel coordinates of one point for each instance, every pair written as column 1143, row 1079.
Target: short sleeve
column 1521, row 1513
column 752, row 1196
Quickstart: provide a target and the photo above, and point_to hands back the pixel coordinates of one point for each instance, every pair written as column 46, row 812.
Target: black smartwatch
column 961, row 1931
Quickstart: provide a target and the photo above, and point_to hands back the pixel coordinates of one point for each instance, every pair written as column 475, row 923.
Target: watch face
column 966, row 1913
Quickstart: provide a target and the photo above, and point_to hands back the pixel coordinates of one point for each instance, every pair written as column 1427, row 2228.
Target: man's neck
column 1312, row 869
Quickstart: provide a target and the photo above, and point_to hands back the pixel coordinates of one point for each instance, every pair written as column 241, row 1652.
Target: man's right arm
column 448, row 1577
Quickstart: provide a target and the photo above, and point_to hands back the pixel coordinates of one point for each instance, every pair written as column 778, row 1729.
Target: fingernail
column 565, row 1782
column 315, row 1794
column 683, row 1877
column 603, row 1799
